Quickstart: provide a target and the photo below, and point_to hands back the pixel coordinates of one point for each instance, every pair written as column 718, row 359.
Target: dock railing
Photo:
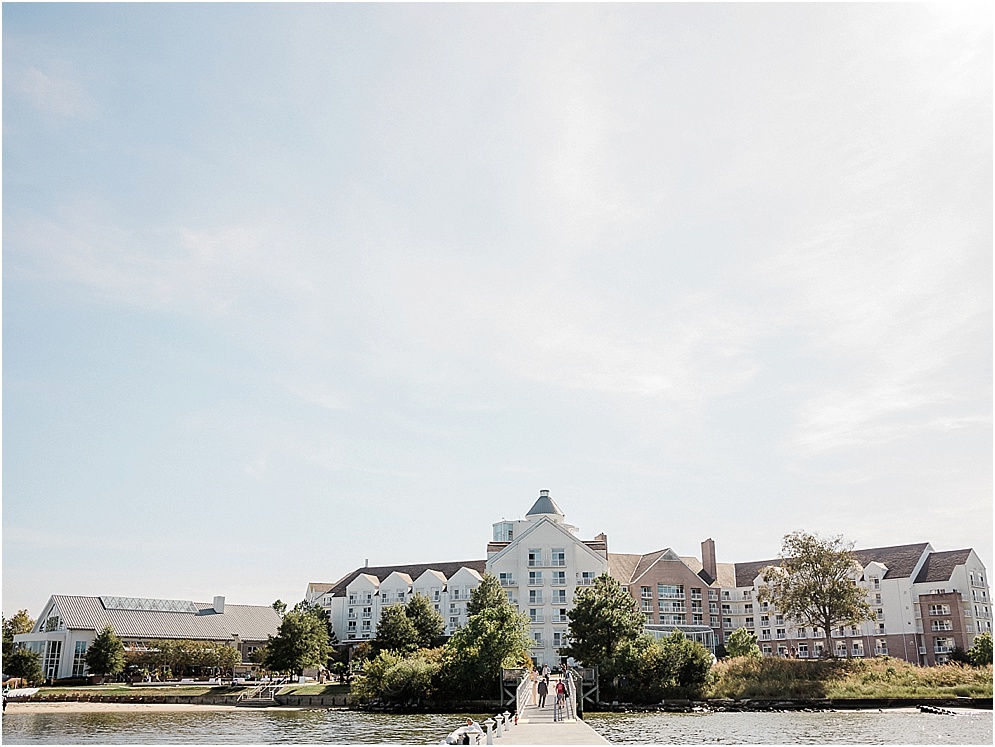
column 523, row 693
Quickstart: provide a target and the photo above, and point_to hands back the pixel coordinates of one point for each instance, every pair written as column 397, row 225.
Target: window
column 780, row 634
column 535, row 578
column 764, row 621
column 939, row 609
column 875, row 582
column 559, row 557
column 727, row 622
column 586, row 578
column 802, row 650
column 766, row 649
column 535, row 596
column 559, row 638
column 535, row 616
column 802, row 633
column 881, row 647
column 669, row 591
column 748, row 609
column 941, row 625
column 559, row 596
column 453, row 622
column 352, row 626
column 713, row 607
column 858, row 648
column 560, row 615
column 79, row 659
column 645, row 592
column 713, row 594
column 367, row 612
column 537, row 639
column 559, row 578
column 697, row 620
column 696, row 593
column 506, row 579
column 535, row 558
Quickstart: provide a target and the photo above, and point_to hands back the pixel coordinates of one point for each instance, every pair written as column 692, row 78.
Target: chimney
column 708, row 557
column 219, row 605
column 366, row 563
column 543, row 492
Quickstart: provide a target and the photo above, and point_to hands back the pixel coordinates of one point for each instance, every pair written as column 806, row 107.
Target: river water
column 352, row 727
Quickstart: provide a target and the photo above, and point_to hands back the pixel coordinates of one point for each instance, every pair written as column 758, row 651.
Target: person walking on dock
column 543, row 690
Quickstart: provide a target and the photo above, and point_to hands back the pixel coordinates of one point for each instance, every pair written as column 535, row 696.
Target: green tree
column 21, row 622
column 472, row 658
column 395, row 631
column 742, row 643
column 105, row 656
column 280, row 607
column 23, row 663
column 815, row 583
column 653, row 669
column 981, row 650
column 603, row 617
column 301, row 642
column 427, row 622
column 487, row 594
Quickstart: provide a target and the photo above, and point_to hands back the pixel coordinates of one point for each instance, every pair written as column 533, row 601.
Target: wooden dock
column 536, row 726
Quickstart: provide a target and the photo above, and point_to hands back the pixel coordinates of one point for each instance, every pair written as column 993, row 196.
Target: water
column 351, row 727
column 906, row 726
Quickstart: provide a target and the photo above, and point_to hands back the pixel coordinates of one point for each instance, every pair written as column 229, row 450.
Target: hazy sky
column 287, row 287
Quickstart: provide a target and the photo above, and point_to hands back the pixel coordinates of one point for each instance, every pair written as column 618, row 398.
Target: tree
column 21, row 622
column 487, row 594
column 395, row 631
column 427, row 622
column 981, row 650
column 399, row 679
column 301, row 642
column 280, row 607
column 603, row 617
column 23, row 663
column 473, row 657
column 105, row 656
column 742, row 643
column 816, row 583
column 653, row 669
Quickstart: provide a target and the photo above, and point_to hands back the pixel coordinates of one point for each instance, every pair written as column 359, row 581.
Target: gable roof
column 939, row 566
column 592, row 546
column 414, row 570
column 900, row 560
column 248, row 622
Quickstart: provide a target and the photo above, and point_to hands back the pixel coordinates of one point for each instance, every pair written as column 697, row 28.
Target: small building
column 68, row 625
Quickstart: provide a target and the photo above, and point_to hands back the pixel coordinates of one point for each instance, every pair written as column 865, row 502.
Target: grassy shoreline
column 880, row 678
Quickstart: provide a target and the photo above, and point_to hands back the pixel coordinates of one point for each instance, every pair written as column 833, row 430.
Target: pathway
column 536, row 726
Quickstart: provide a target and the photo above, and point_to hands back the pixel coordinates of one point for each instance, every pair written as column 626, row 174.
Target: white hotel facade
column 925, row 603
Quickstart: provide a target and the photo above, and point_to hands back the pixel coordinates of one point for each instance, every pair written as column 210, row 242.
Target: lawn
column 187, row 691
column 315, row 689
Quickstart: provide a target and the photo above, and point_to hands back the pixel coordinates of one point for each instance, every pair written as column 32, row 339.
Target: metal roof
column 248, row 622
column 544, row 505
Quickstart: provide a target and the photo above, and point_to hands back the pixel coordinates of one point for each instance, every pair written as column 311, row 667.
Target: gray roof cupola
column 545, row 506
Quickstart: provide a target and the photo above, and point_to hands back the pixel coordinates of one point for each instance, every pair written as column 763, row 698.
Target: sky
column 290, row 288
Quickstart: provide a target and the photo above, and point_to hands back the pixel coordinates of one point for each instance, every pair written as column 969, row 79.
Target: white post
column 489, row 723
column 507, row 721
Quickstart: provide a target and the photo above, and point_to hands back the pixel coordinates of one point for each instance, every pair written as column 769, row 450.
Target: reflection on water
column 229, row 727
column 844, row 727
column 351, row 727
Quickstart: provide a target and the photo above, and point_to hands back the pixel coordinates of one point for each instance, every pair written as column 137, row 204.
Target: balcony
column 559, row 618
column 538, row 643
column 559, row 581
column 943, row 649
column 536, row 619
column 508, row 582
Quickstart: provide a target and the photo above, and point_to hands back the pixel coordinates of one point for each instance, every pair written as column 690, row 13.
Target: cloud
column 54, row 93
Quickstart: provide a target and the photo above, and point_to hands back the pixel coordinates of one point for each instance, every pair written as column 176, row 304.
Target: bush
column 393, row 678
column 650, row 670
